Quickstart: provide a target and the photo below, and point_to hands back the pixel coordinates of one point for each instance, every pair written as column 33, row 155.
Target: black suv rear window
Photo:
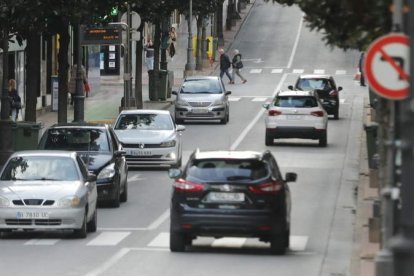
column 296, row 101
column 217, row 170
column 312, row 84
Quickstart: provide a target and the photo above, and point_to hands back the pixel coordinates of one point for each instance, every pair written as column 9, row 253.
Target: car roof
column 79, row 125
column 296, row 93
column 201, row 78
column 63, row 153
column 315, row 76
column 144, row 111
column 227, row 154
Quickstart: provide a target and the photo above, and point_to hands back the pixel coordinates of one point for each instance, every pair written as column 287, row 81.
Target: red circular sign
column 386, row 65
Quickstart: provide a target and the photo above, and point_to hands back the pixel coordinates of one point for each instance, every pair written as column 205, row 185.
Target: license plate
column 294, row 117
column 32, row 215
column 139, row 152
column 225, row 197
column 200, row 110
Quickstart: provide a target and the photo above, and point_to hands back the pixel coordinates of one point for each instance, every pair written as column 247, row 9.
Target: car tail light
column 333, row 93
column 181, row 185
column 274, row 112
column 273, row 187
column 317, row 113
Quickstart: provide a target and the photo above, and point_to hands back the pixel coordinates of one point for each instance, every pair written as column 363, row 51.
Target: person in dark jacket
column 225, row 65
column 237, row 65
column 15, row 100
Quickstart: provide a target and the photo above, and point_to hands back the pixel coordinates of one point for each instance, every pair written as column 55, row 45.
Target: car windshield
column 296, row 101
column 145, row 122
column 312, row 84
column 77, row 139
column 219, row 170
column 40, row 168
column 206, row 86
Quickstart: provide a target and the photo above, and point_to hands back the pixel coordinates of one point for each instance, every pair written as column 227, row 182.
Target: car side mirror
column 174, row 173
column 227, row 93
column 290, row 87
column 91, row 177
column 266, row 105
column 291, row 177
column 339, row 88
column 180, row 128
column 174, row 93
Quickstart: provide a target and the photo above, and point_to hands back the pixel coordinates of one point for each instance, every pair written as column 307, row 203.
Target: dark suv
column 230, row 193
column 326, row 88
column 100, row 150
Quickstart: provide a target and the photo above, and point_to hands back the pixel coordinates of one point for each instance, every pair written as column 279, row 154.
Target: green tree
column 347, row 24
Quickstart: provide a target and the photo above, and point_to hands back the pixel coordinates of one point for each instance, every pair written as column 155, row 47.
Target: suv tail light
column 273, row 187
column 333, row 93
column 317, row 113
column 183, row 186
column 274, row 112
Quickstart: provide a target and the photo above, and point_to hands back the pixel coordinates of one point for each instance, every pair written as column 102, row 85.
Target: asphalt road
column 133, row 239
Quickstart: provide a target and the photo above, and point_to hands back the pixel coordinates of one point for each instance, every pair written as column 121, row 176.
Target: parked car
column 230, row 193
column 296, row 114
column 202, row 98
column 101, row 151
column 47, row 190
column 326, row 88
column 150, row 137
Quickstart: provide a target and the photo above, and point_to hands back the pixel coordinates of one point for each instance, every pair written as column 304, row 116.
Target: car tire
column 287, row 238
column 336, row 115
column 93, row 224
column 269, row 139
column 124, row 194
column 177, row 241
column 323, row 140
column 178, row 121
column 278, row 244
column 82, row 232
column 116, row 197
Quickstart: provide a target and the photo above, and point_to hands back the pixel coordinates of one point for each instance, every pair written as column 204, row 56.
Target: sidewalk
column 103, row 103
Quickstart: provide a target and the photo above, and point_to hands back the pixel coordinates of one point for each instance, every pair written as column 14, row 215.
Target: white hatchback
column 296, row 114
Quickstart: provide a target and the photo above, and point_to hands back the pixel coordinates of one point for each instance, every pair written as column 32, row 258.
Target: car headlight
column 4, row 202
column 168, row 144
column 107, row 172
column 69, row 201
column 218, row 102
column 182, row 102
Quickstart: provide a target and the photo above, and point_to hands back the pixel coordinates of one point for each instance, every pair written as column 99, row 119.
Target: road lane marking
column 229, row 242
column 298, row 71
column 108, row 238
column 122, row 229
column 164, row 216
column 277, row 71
column 259, row 99
column 234, row 99
column 340, row 72
column 298, row 243
column 342, row 101
column 135, row 177
column 295, row 45
column 161, row 240
column 319, row 71
column 255, row 71
column 110, row 262
column 42, row 242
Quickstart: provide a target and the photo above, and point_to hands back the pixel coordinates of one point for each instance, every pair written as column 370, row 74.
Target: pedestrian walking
column 15, row 100
column 172, row 40
column 361, row 69
column 237, row 65
column 225, row 65
column 72, row 82
column 149, row 55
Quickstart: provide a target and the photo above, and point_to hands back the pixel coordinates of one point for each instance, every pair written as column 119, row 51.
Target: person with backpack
column 15, row 100
column 237, row 65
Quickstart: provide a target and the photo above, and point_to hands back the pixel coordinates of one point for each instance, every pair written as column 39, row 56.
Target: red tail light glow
column 333, row 93
column 274, row 112
column 184, row 186
column 317, row 113
column 273, row 187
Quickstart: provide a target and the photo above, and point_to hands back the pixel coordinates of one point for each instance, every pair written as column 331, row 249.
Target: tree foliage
column 347, row 24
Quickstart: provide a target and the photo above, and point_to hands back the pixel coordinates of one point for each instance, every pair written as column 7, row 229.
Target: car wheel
column 268, row 140
column 124, row 194
column 116, row 196
column 177, row 241
column 4, row 233
column 93, row 224
column 278, row 244
column 83, row 231
column 336, row 115
column 323, row 140
column 287, row 238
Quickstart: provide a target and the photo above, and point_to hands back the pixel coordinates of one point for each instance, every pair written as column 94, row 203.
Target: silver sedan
column 47, row 190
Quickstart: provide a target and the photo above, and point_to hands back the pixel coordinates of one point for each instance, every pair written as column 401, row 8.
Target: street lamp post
column 189, row 67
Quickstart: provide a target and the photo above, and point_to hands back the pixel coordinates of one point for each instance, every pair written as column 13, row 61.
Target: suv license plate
column 225, row 197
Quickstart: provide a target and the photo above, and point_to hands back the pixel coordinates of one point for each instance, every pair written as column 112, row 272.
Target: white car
column 149, row 138
column 47, row 190
column 296, row 114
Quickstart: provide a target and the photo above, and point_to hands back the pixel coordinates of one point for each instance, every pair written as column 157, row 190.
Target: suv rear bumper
column 295, row 132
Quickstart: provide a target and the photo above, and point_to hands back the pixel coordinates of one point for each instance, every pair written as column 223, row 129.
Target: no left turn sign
column 386, row 66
